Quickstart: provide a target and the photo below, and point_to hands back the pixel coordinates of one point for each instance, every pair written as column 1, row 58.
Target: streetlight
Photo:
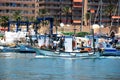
column 62, row 26
column 93, row 38
column 94, row 26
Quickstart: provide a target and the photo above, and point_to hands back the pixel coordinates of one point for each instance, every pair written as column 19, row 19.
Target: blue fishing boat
column 25, row 49
column 4, row 49
column 110, row 52
column 18, row 49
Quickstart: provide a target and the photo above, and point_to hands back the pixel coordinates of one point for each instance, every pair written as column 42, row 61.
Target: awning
column 116, row 17
column 76, row 21
column 77, row 0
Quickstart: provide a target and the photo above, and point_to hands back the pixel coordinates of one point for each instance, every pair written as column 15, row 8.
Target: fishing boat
column 110, row 52
column 25, row 49
column 17, row 49
column 5, row 49
column 68, row 49
column 52, row 53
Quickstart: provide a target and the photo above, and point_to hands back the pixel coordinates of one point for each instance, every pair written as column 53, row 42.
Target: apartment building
column 77, row 14
column 103, row 11
column 30, row 8
column 26, row 7
column 55, row 9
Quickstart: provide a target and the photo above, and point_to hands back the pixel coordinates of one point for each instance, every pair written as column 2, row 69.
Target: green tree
column 4, row 21
column 87, row 17
column 109, row 10
column 42, row 14
column 17, row 17
column 56, row 23
column 66, row 10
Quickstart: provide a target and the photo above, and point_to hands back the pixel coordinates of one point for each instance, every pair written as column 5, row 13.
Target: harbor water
column 26, row 67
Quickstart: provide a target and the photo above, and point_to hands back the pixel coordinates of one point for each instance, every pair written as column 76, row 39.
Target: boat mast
column 100, row 16
column 93, row 40
column 118, row 11
column 81, row 26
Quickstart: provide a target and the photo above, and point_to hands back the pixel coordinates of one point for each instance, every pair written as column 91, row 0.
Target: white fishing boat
column 67, row 51
column 44, row 52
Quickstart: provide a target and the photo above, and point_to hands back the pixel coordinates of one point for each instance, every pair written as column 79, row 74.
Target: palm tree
column 109, row 10
column 87, row 17
column 66, row 10
column 4, row 21
column 56, row 23
column 17, row 17
column 43, row 13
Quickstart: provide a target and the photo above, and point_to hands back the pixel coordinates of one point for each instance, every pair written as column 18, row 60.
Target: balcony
column 17, row 8
column 52, row 2
column 52, row 7
column 15, row 1
column 10, row 14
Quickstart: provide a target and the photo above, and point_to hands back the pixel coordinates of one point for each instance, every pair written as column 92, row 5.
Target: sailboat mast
column 81, row 26
column 100, row 15
column 118, row 11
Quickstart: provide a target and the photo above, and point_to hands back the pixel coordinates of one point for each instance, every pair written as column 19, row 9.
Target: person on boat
column 85, row 43
column 54, row 45
column 61, row 43
column 30, row 37
column 82, row 45
column 73, row 43
column 100, row 47
column 3, row 40
column 107, row 43
column 112, row 36
column 79, row 42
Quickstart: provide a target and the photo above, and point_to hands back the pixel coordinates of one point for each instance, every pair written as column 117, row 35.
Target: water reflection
column 60, row 68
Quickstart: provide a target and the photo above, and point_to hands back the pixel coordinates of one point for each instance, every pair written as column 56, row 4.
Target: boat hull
column 60, row 53
column 18, row 49
column 110, row 52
